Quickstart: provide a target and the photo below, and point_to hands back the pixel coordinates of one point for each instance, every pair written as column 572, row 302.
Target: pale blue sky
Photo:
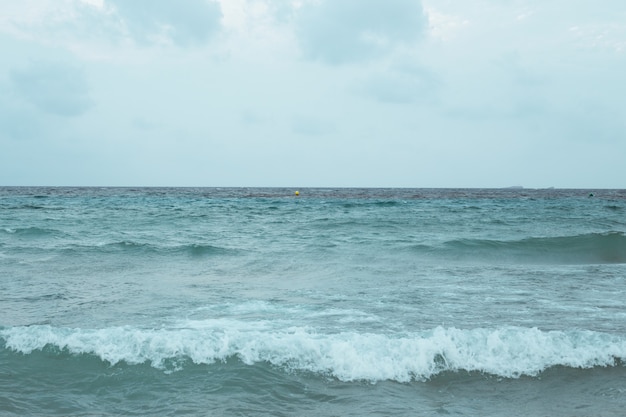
column 399, row 93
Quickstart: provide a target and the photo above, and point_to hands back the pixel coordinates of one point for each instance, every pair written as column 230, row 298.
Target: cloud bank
column 411, row 93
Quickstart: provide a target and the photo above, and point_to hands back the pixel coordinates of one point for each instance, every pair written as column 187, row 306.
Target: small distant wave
column 205, row 250
column 372, row 203
column 65, row 245
column 31, row 231
column 32, row 207
column 388, row 203
column 193, row 249
column 592, row 248
column 508, row 352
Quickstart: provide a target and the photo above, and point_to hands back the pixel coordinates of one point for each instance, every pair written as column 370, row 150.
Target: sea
column 334, row 302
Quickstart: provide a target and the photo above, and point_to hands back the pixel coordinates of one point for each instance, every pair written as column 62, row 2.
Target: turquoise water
column 244, row 301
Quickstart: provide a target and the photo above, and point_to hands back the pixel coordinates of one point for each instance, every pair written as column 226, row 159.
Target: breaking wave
column 508, row 352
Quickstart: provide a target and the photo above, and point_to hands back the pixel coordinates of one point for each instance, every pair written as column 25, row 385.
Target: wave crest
column 508, row 352
column 592, row 248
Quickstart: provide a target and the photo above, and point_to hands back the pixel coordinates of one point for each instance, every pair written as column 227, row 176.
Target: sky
column 313, row 93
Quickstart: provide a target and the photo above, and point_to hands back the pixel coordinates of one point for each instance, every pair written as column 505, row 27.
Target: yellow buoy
column 297, row 192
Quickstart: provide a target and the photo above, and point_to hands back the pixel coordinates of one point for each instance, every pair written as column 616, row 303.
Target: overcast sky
column 371, row 93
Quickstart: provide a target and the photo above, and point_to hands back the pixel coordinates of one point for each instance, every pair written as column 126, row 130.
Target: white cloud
column 74, row 23
column 307, row 125
column 183, row 22
column 353, row 30
column 52, row 87
column 401, row 85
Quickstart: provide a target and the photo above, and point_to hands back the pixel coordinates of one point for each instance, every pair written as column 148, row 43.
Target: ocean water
column 336, row 302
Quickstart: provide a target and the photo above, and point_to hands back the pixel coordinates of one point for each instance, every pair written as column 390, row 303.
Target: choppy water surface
column 204, row 301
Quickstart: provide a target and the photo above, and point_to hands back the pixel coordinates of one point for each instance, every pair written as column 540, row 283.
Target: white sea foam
column 506, row 352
